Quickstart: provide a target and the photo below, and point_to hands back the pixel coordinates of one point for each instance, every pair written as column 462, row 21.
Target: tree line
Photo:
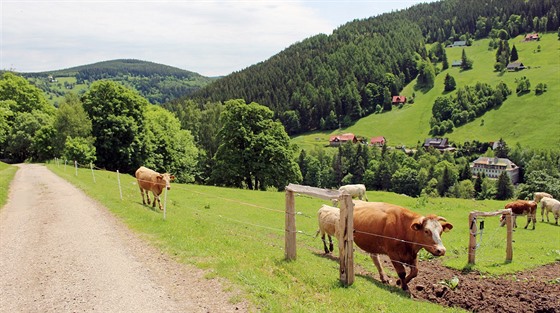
column 329, row 81
column 238, row 144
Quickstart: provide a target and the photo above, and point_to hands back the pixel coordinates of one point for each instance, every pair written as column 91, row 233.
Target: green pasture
column 7, row 173
column 239, row 235
column 533, row 121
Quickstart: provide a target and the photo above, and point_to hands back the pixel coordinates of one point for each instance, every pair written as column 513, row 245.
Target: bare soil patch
column 536, row 290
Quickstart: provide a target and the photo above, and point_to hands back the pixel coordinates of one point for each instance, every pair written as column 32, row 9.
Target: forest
column 329, row 81
column 235, row 131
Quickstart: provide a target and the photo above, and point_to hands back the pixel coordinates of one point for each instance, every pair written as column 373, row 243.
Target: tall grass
column 7, row 173
column 530, row 120
column 239, row 235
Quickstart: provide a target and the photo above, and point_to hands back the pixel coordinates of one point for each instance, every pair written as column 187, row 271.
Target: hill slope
column 530, row 120
column 157, row 82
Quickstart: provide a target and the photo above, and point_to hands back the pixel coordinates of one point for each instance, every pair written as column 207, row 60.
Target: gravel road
column 61, row 251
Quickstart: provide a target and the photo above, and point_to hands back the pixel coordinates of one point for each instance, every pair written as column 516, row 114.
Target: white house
column 493, row 167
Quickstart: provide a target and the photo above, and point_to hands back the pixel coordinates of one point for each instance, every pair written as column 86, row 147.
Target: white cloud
column 209, row 37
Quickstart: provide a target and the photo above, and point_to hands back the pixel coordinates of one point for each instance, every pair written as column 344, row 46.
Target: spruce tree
column 504, row 187
column 513, row 55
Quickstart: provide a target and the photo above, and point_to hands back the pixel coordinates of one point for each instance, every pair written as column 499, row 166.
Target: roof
column 515, row 65
column 436, row 142
column 399, row 99
column 459, row 43
column 532, row 36
column 378, row 139
column 343, row 137
column 495, row 161
column 457, row 63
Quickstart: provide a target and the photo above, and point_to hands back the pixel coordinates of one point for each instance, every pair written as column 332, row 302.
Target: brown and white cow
column 383, row 228
column 150, row 180
column 521, row 207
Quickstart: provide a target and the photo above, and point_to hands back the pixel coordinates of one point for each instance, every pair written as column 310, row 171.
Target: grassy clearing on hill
column 239, row 235
column 7, row 173
column 530, row 120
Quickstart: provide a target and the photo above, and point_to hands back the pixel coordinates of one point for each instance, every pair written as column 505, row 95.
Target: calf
column 383, row 228
column 550, row 205
column 149, row 180
column 521, row 207
column 329, row 218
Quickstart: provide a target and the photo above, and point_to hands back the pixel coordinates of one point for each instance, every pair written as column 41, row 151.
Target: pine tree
column 504, row 187
column 449, row 83
column 466, row 63
column 513, row 55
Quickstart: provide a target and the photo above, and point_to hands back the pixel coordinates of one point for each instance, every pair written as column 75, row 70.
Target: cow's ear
column 172, row 177
column 160, row 177
column 446, row 226
column 418, row 224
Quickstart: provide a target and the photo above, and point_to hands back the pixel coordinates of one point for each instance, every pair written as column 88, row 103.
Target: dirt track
column 60, row 251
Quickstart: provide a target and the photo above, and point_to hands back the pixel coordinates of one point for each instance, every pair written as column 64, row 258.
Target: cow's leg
column 542, row 213
column 377, row 262
column 528, row 220
column 142, row 194
column 515, row 221
column 401, row 271
column 324, row 243
column 413, row 271
column 331, row 246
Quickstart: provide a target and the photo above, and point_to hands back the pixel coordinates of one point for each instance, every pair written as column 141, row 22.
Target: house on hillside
column 378, row 141
column 460, row 43
column 515, row 66
column 398, row 100
column 440, row 144
column 532, row 37
column 338, row 140
column 456, row 63
column 493, row 167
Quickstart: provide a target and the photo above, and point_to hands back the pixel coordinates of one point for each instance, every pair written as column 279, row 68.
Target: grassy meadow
column 530, row 120
column 239, row 235
column 7, row 173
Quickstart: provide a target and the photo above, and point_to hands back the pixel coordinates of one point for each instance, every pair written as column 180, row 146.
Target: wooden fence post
column 509, row 248
column 346, row 240
column 290, row 249
column 472, row 237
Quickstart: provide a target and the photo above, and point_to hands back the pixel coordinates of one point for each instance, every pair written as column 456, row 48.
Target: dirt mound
column 536, row 290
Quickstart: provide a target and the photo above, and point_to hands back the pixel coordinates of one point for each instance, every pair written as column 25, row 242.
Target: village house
column 440, row 144
column 398, row 100
column 515, row 66
column 493, row 167
column 338, row 140
column 456, row 63
column 459, row 43
column 378, row 141
column 532, row 37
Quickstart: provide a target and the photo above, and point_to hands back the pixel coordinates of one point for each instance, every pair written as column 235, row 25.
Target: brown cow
column 383, row 228
column 521, row 207
column 149, row 180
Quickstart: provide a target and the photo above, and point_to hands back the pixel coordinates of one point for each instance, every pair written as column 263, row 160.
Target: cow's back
column 378, row 224
column 145, row 177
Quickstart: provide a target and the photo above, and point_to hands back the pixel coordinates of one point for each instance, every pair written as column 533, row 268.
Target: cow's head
column 167, row 179
column 430, row 229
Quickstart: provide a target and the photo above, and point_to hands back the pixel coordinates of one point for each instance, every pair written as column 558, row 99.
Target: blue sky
column 208, row 37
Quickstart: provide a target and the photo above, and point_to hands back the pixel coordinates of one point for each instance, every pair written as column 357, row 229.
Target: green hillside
column 156, row 82
column 530, row 120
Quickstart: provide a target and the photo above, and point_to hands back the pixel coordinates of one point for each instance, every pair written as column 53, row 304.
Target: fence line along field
column 239, row 235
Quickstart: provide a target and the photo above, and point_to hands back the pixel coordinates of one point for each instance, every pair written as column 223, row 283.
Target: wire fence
column 485, row 240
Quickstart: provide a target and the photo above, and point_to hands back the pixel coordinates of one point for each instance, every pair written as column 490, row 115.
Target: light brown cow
column 328, row 218
column 521, row 207
column 383, row 228
column 150, row 180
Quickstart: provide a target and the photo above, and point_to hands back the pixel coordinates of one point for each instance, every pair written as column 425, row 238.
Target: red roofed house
column 532, row 37
column 377, row 141
column 398, row 100
column 338, row 140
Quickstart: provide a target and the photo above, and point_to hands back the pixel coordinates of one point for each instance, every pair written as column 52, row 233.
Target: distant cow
column 383, row 228
column 550, row 205
column 539, row 195
column 329, row 218
column 356, row 191
column 149, row 180
column 521, row 207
